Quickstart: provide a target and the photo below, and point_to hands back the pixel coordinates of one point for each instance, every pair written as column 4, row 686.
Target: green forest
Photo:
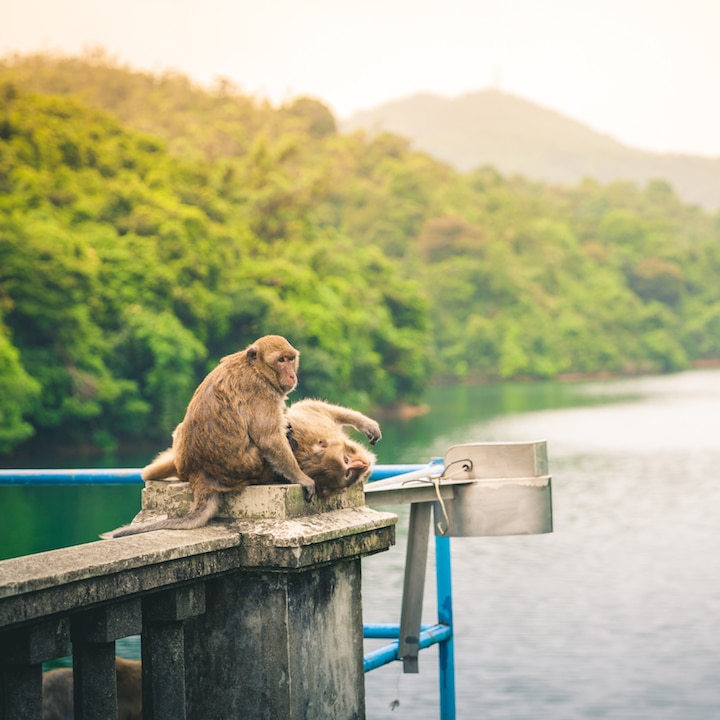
column 149, row 226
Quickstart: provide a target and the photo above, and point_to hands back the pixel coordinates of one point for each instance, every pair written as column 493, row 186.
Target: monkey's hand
column 372, row 431
column 309, row 490
column 308, row 484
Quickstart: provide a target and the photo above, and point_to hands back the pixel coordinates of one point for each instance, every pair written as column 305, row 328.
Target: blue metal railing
column 439, row 634
column 109, row 476
column 131, row 476
column 445, row 617
column 429, row 635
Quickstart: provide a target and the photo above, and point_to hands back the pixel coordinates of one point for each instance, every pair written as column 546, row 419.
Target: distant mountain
column 518, row 136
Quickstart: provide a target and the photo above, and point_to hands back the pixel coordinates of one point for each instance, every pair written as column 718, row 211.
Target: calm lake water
column 616, row 614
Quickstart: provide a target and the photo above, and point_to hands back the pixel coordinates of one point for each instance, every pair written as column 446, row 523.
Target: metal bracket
column 414, row 585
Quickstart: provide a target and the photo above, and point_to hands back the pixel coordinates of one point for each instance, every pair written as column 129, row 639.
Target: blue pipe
column 446, row 658
column 430, row 635
column 381, row 656
column 382, row 472
column 386, row 630
column 131, row 476
column 381, row 630
column 102, row 476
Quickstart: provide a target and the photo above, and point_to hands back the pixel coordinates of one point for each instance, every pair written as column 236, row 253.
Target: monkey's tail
column 162, row 467
column 204, row 508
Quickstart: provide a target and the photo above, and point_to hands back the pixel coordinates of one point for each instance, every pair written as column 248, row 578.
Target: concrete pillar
column 279, row 645
column 163, row 650
column 281, row 637
column 22, row 654
column 94, row 633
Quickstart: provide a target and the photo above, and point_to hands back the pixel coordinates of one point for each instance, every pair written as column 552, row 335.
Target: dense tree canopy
column 149, row 227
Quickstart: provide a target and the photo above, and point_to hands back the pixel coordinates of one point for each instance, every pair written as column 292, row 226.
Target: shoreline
column 27, row 455
column 406, row 411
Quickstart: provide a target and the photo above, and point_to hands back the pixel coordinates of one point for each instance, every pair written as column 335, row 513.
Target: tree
column 19, row 394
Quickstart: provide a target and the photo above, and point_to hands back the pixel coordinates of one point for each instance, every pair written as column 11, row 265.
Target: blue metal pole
column 101, row 476
column 381, row 656
column 445, row 616
column 392, row 630
column 381, row 631
column 429, row 635
column 382, row 472
column 131, row 476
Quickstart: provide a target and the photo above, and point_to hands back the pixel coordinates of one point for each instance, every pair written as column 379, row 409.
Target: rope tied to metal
column 466, row 465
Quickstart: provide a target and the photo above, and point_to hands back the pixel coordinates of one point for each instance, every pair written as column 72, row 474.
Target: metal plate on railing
column 509, row 492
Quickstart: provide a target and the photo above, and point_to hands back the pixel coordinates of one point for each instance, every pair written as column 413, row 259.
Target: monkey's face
column 287, row 365
column 276, row 359
column 337, row 465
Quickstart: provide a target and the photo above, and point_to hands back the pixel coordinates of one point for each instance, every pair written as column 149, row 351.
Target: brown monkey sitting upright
column 323, row 450
column 234, row 430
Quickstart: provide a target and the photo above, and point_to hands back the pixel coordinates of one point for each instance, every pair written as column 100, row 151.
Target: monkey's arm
column 275, row 449
column 345, row 416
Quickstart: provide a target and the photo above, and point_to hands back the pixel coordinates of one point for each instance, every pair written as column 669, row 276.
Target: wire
column 436, row 481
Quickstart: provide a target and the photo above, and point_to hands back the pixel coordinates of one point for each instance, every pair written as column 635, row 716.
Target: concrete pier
column 257, row 615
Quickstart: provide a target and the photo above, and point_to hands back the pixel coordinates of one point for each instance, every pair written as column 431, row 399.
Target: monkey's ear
column 320, row 446
column 252, row 353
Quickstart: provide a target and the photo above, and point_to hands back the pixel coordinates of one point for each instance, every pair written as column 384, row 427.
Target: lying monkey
column 57, row 692
column 323, row 451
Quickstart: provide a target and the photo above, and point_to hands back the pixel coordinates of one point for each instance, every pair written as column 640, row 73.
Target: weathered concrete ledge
column 71, row 579
column 174, row 498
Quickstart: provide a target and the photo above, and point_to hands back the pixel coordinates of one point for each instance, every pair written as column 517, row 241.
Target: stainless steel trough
column 509, row 492
column 479, row 489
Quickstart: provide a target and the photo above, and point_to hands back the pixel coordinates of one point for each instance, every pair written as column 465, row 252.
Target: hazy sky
column 646, row 72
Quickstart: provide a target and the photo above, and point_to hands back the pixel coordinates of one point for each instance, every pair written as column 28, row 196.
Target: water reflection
column 465, row 414
column 615, row 613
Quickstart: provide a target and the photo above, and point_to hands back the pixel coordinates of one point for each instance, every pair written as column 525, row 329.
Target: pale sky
column 646, row 72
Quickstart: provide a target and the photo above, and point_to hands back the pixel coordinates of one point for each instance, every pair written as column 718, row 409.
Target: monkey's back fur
column 213, row 444
column 234, row 431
